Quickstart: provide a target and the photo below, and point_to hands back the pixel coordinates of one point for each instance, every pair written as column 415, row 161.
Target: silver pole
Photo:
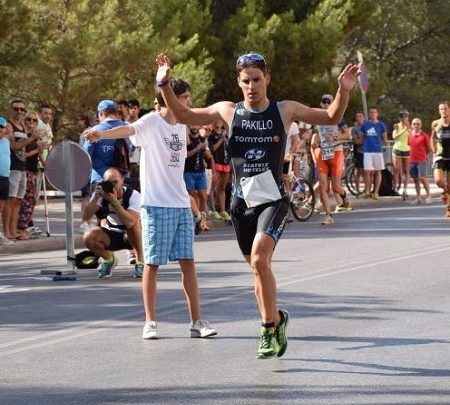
column 68, row 177
column 363, row 93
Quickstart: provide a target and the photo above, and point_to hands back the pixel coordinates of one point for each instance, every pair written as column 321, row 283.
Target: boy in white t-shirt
column 167, row 224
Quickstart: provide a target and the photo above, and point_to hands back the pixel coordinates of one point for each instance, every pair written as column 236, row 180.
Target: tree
column 405, row 46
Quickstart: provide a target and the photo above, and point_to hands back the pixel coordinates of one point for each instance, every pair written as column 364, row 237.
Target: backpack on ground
column 386, row 187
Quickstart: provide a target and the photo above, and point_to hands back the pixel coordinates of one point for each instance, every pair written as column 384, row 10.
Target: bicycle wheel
column 302, row 200
column 350, row 179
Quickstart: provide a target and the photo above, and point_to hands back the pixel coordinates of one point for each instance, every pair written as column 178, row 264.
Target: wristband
column 162, row 84
column 115, row 204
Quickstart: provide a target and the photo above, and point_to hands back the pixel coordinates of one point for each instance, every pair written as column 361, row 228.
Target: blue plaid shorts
column 167, row 233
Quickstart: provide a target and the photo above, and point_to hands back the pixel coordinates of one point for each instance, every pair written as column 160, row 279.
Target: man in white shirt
column 166, row 216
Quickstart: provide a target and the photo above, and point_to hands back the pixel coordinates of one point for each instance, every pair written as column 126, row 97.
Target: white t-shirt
column 162, row 161
column 293, row 131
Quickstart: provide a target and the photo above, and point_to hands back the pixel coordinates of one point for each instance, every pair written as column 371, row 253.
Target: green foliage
column 74, row 53
column 405, row 46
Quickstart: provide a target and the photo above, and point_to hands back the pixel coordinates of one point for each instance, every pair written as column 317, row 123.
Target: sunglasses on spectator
column 249, row 58
column 416, row 123
column 2, row 126
column 21, row 109
column 31, row 120
column 325, row 101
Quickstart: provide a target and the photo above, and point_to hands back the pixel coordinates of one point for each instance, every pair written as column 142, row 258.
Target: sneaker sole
column 283, row 349
column 264, row 357
column 197, row 335
column 149, row 337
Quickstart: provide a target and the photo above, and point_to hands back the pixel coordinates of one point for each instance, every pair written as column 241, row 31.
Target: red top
column 420, row 147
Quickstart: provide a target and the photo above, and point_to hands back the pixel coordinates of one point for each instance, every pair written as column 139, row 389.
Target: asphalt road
column 369, row 311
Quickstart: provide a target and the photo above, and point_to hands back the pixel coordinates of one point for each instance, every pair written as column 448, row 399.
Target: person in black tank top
column 440, row 144
column 257, row 137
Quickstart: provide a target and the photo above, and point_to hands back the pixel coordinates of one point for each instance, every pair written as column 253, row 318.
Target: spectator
column 44, row 126
column 33, row 152
column 400, row 152
column 136, row 153
column 118, row 207
column 420, row 147
column 358, row 154
column 374, row 137
column 123, row 110
column 18, row 140
column 194, row 168
column 222, row 169
column 5, row 162
column 134, row 109
column 166, row 213
column 102, row 152
column 292, row 144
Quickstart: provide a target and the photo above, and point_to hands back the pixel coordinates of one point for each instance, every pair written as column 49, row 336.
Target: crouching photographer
column 118, row 209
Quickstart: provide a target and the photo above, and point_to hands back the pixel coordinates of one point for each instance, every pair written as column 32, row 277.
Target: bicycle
column 350, row 178
column 301, row 193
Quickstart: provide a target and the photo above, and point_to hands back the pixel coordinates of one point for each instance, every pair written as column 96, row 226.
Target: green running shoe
column 268, row 345
column 281, row 332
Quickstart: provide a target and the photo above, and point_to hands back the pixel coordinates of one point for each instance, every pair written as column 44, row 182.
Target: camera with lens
column 107, row 186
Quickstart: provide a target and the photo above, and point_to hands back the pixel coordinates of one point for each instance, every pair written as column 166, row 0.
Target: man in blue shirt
column 102, row 152
column 374, row 137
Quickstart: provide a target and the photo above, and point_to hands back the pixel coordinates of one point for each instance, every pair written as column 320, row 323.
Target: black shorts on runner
column 118, row 240
column 269, row 218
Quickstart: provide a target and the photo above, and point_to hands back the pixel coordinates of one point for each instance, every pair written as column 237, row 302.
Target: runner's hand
column 163, row 62
column 347, row 78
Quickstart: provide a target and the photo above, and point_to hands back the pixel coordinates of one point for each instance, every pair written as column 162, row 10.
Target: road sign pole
column 363, row 83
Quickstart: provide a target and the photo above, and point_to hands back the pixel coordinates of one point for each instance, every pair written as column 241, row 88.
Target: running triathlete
column 257, row 131
column 440, row 144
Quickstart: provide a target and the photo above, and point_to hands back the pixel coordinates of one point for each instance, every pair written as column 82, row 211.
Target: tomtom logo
column 254, row 154
column 255, row 139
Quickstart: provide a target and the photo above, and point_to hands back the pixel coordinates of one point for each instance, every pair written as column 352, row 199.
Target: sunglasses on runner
column 250, row 58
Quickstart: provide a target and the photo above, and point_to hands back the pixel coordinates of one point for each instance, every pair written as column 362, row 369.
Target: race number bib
column 327, row 153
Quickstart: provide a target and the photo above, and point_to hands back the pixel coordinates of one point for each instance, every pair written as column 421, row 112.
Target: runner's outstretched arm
column 183, row 114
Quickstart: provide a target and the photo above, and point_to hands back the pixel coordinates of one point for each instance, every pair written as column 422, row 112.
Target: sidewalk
column 57, row 222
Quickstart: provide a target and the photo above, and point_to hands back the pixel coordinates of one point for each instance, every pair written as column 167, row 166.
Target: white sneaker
column 150, row 331
column 202, row 329
column 328, row 220
column 34, row 230
column 5, row 241
column 84, row 227
column 428, row 200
